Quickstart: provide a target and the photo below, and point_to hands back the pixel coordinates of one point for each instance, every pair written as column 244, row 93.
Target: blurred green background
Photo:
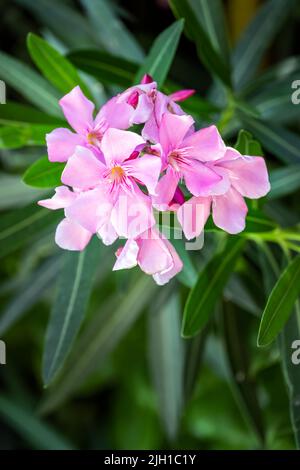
column 130, row 381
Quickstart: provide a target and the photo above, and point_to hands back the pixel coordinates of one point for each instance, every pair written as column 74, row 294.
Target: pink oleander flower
column 110, row 201
column 243, row 176
column 154, row 254
column 78, row 111
column 183, row 154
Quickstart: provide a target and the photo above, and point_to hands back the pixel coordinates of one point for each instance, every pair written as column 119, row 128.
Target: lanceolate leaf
column 166, row 349
column 29, row 84
column 68, row 25
column 210, row 13
column 209, row 287
column 44, row 174
column 161, row 55
column 29, row 293
column 55, row 67
column 14, row 193
column 239, row 366
column 107, row 68
column 74, row 288
column 280, row 303
column 111, row 32
column 257, row 38
column 284, row 181
column 13, row 137
column 289, row 334
column 207, row 52
column 22, row 225
column 284, row 144
column 99, row 338
column 15, row 114
column 35, row 432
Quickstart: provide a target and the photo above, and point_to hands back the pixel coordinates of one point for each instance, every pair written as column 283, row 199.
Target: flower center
column 174, row 160
column 94, row 138
column 116, row 174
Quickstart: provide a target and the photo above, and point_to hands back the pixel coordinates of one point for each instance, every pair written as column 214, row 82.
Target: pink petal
column 78, row 110
column 229, row 211
column 192, row 216
column 173, row 129
column 200, row 179
column 249, row 176
column 107, row 232
column 146, row 169
column 181, row 95
column 154, row 255
column 143, row 109
column 71, row 236
column 92, row 209
column 132, row 213
column 118, row 145
column 83, row 170
column 151, row 129
column 115, row 114
column 206, row 144
column 128, row 256
column 61, row 144
column 165, row 190
column 176, row 266
column 62, row 198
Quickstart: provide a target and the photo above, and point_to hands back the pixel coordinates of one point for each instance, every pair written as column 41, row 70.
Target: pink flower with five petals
column 78, row 111
column 242, row 176
column 110, row 202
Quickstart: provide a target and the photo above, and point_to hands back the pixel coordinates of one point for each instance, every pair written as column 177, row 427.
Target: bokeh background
column 139, row 386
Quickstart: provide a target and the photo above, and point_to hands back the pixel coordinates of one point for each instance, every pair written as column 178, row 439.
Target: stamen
column 94, row 137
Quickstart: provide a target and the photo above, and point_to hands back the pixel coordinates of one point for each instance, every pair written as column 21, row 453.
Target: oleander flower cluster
column 114, row 179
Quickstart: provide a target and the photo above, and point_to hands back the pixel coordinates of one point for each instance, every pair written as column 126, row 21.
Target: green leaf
column 44, row 174
column 274, row 77
column 64, row 21
column 99, row 338
column 166, row 353
column 209, row 287
column 29, row 84
column 210, row 14
column 14, row 193
column 280, row 303
column 246, row 145
column 209, row 55
column 15, row 114
column 29, row 293
column 284, row 144
column 25, row 224
column 14, row 137
column 35, row 432
column 289, row 334
column 162, row 52
column 288, row 337
column 284, row 181
column 55, row 67
column 74, row 288
column 110, row 31
column 244, row 386
column 108, row 69
column 257, row 38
